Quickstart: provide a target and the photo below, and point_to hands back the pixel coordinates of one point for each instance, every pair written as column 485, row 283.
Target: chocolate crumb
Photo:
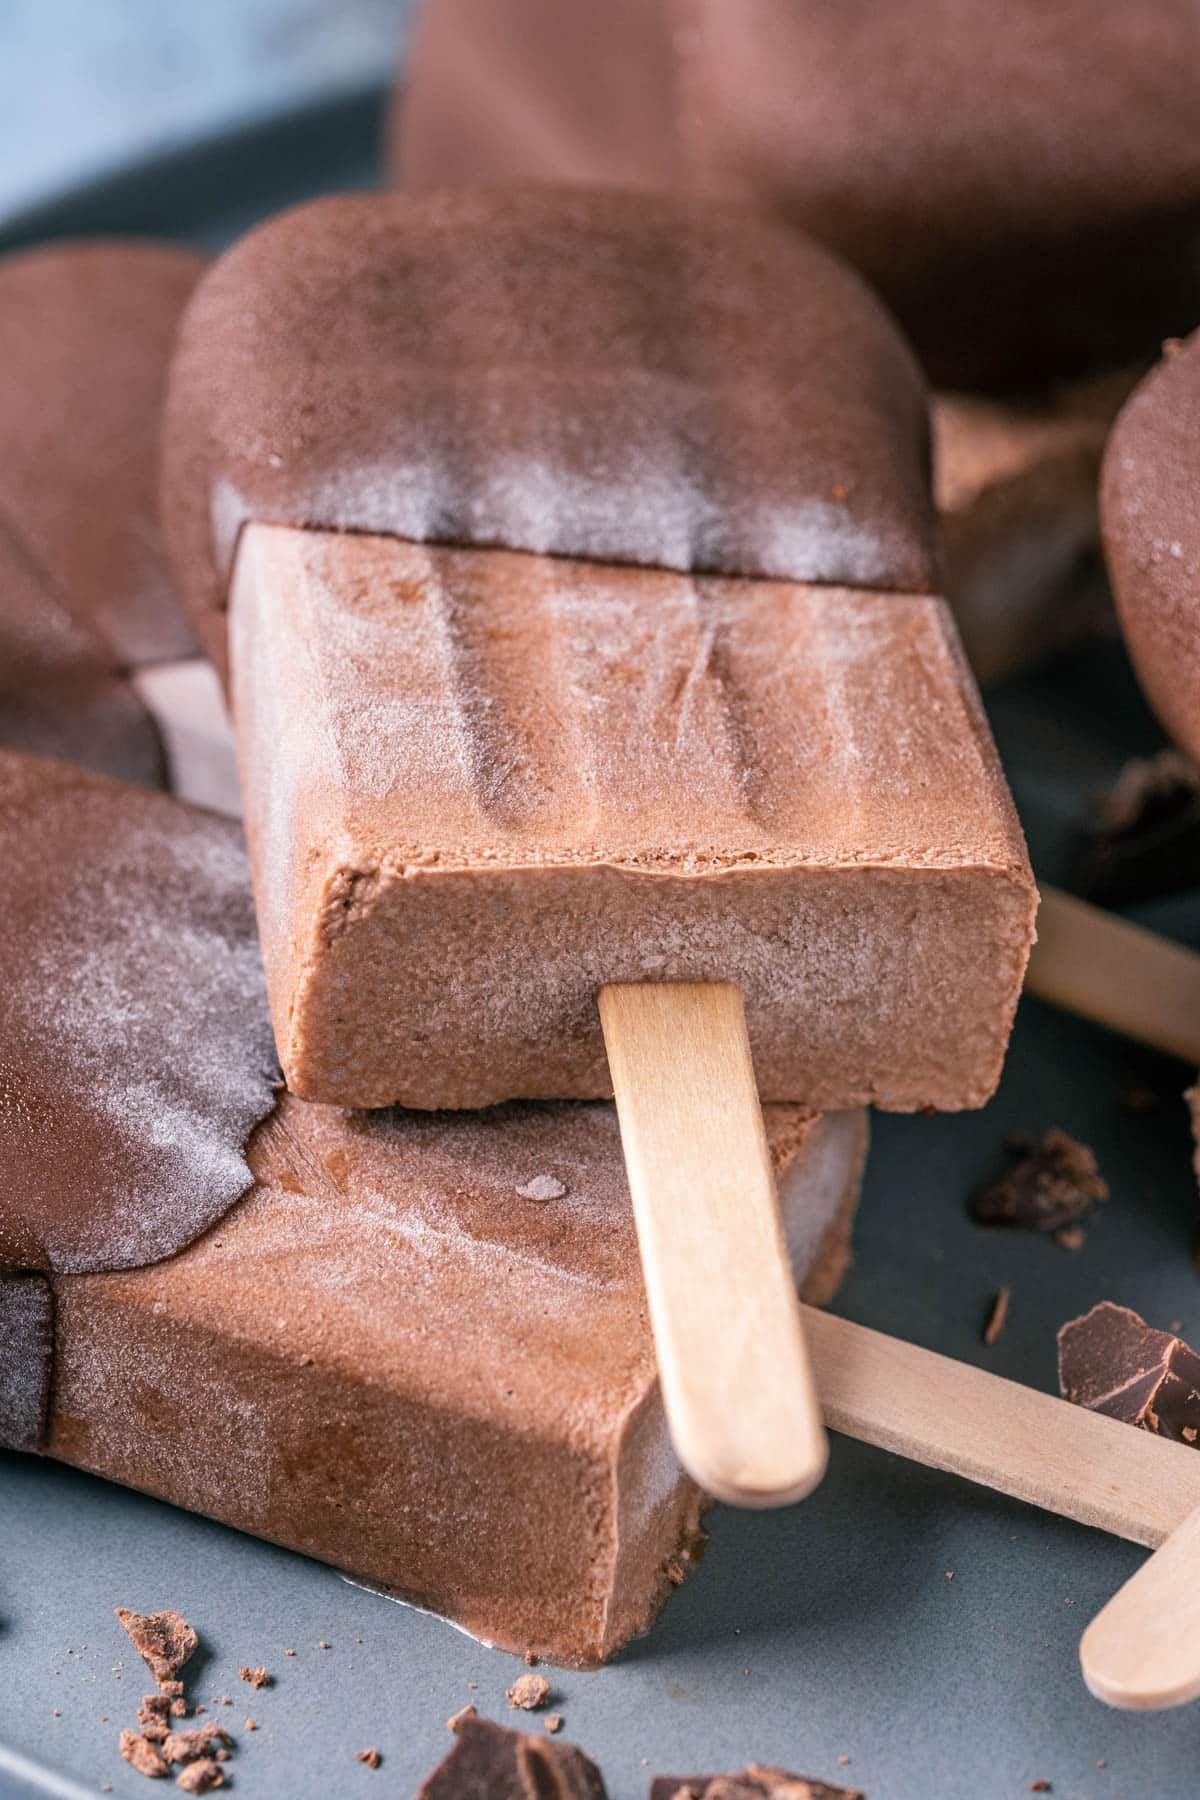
column 201, row 1777
column 142, row 1754
column 178, row 1709
column 531, row 1659
column 528, row 1692
column 553, row 1722
column 174, row 1688
column 289, row 1653
column 324, row 1644
column 1040, row 1787
column 997, row 1317
column 1052, row 1184
column 1070, row 1237
column 251, row 1724
column 257, row 1677
column 189, row 1746
column 1136, row 1097
column 371, row 1757
column 152, row 1716
column 163, row 1639
column 456, row 1719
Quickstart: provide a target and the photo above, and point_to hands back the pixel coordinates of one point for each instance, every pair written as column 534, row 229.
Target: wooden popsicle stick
column 736, row 1381
column 1001, row 1434
column 1132, row 980
column 186, row 703
column 1142, row 1651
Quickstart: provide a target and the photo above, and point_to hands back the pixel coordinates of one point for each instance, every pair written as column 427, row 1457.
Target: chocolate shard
column 757, row 1781
column 510, row 1765
column 1111, row 1361
column 1050, row 1185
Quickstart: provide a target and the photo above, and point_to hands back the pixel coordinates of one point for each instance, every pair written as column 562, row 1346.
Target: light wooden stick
column 736, row 1380
column 1118, row 974
column 1034, row 1446
column 185, row 701
column 1142, row 1651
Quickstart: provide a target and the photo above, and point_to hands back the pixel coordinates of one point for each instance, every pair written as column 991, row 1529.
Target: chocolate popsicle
column 441, row 1384
column 91, row 627
column 644, row 694
column 1021, row 183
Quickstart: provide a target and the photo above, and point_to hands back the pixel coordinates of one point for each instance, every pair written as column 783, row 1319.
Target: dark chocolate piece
column 1051, row 1185
column 756, row 1781
column 1150, row 514
column 1145, row 840
column 86, row 333
column 1021, row 182
column 1113, row 1362
column 488, row 1759
column 639, row 380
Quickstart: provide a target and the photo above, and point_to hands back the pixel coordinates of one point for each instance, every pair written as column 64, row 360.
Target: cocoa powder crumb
column 1070, row 1237
column 371, row 1757
column 257, row 1677
column 528, row 1692
column 531, row 1659
column 144, row 1756
column 553, row 1722
column 201, row 1777
column 189, row 1746
column 324, row 1644
column 152, row 1716
column 164, row 1640
column 179, row 1709
column 1040, row 1787
column 251, row 1724
column 997, row 1318
column 289, row 1653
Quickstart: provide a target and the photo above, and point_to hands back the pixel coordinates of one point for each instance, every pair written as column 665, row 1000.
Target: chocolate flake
column 528, row 1692
column 201, row 1777
column 164, row 1640
column 1111, row 1361
column 142, row 1754
column 1052, row 1184
column 371, row 1757
column 257, row 1677
column 510, row 1765
column 997, row 1317
column 757, row 1781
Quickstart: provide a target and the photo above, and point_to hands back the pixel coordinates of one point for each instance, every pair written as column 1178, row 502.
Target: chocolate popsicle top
column 86, row 332
column 1021, row 182
column 588, row 374
column 135, row 1046
column 1150, row 512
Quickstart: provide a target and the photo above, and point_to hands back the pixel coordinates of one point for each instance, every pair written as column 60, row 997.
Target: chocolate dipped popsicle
column 441, row 1384
column 584, row 645
column 1020, row 183
column 92, row 631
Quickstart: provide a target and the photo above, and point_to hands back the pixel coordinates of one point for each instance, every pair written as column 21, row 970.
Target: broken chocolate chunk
column 371, row 1757
column 510, row 1765
column 164, row 1640
column 1052, row 1184
column 755, row 1782
column 201, row 1777
column 1144, row 840
column 145, row 1756
column 152, row 1716
column 1111, row 1361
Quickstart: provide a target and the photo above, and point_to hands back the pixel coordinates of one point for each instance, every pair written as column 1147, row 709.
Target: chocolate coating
column 589, row 374
column 1150, row 511
column 86, row 331
column 135, row 1046
column 61, row 693
column 1021, row 182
